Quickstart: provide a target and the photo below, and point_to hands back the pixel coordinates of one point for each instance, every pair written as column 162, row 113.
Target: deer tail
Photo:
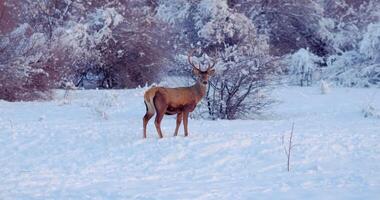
column 148, row 100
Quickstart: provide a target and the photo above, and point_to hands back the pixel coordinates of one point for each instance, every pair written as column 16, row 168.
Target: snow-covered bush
column 290, row 25
column 349, row 69
column 325, row 87
column 240, row 87
column 303, row 66
column 137, row 54
column 23, row 73
column 243, row 70
column 370, row 111
column 76, row 47
column 339, row 35
column 370, row 48
column 370, row 45
column 96, row 44
column 351, row 29
column 359, row 66
column 107, row 101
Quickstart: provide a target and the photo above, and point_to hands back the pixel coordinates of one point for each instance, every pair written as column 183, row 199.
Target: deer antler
column 189, row 59
column 211, row 66
column 214, row 61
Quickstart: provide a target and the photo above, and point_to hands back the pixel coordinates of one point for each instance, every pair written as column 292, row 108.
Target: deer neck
column 200, row 90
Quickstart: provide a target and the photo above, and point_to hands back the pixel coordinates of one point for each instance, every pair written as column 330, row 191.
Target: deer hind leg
column 160, row 109
column 179, row 120
column 185, row 120
column 146, row 119
column 148, row 115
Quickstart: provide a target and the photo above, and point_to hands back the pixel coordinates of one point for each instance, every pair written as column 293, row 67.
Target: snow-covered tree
column 93, row 43
column 229, row 37
column 126, row 43
column 303, row 66
column 290, row 25
column 359, row 66
column 140, row 48
column 351, row 29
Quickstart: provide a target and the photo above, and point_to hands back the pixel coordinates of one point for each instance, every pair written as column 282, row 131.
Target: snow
column 66, row 149
column 171, row 12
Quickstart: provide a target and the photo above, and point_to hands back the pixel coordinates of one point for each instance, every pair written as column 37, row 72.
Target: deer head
column 202, row 76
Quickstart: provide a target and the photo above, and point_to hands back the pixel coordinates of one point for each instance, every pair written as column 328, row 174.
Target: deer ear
column 211, row 72
column 196, row 71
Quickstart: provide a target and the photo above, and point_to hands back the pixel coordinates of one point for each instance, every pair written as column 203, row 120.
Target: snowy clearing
column 90, row 146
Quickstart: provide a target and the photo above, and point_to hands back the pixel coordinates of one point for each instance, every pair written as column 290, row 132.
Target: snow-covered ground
column 90, row 146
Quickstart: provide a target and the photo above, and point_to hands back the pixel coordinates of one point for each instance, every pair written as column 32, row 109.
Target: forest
column 257, row 44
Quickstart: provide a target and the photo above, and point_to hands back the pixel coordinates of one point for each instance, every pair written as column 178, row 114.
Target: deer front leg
column 185, row 120
column 179, row 120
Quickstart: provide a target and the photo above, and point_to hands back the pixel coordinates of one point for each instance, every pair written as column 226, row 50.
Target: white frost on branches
column 302, row 66
column 370, row 45
column 86, row 34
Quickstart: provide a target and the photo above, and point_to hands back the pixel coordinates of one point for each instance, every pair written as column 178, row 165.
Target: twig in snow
column 289, row 148
column 12, row 129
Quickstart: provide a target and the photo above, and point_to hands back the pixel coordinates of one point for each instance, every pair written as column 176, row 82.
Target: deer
column 180, row 100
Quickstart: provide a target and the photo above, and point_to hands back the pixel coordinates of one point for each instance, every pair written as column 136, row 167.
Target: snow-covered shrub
column 109, row 100
column 352, row 31
column 136, row 56
column 290, row 25
column 370, row 111
column 76, row 47
column 339, row 36
column 370, row 45
column 369, row 108
column 98, row 44
column 240, row 87
column 173, row 12
column 104, row 104
column 325, row 87
column 23, row 74
column 359, row 66
column 370, row 48
column 243, row 66
column 302, row 66
column 67, row 96
column 352, row 69
column 131, row 46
